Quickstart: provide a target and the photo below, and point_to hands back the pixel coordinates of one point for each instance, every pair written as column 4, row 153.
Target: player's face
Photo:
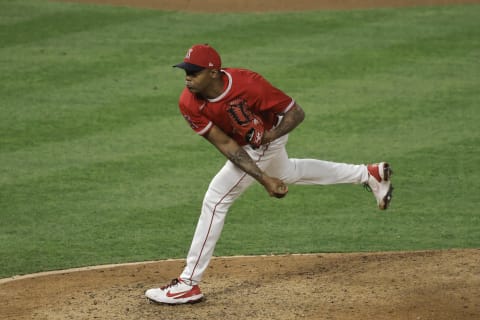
column 198, row 82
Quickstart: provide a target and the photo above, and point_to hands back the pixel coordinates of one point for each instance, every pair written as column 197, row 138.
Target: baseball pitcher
column 248, row 120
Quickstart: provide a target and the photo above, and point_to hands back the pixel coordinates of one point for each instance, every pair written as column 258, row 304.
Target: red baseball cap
column 199, row 57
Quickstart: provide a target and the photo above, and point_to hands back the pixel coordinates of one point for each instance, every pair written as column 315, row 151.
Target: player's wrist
column 264, row 180
column 268, row 136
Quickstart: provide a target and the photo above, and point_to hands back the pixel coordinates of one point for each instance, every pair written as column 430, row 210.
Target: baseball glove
column 245, row 123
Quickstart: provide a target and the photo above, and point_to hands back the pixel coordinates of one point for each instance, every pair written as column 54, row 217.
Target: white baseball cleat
column 177, row 292
column 379, row 183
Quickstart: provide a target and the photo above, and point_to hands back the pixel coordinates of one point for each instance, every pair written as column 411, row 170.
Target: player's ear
column 214, row 73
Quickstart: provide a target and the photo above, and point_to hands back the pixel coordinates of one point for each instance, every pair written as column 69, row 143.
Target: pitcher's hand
column 275, row 187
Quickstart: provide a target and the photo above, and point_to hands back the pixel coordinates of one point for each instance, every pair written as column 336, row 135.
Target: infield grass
column 97, row 165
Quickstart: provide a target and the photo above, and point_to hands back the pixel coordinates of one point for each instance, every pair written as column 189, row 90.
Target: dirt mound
column 403, row 285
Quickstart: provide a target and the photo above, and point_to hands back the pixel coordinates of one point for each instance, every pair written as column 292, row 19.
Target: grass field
column 97, row 165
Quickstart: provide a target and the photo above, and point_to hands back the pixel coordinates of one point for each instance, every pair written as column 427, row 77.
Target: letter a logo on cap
column 189, row 52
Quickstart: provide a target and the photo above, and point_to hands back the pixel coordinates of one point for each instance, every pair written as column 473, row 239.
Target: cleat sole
column 386, row 200
column 387, row 172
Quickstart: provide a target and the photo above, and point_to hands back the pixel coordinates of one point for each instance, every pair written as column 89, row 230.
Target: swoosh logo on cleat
column 176, row 294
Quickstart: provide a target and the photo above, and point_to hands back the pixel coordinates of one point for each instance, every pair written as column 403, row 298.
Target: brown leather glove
column 246, row 123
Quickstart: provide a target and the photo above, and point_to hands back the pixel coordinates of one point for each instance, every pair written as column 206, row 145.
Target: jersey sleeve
column 190, row 109
column 269, row 98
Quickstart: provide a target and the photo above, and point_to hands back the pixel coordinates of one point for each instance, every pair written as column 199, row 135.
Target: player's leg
column 229, row 183
column 224, row 189
column 312, row 171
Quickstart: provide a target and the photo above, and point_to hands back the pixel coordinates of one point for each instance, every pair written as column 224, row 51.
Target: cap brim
column 188, row 67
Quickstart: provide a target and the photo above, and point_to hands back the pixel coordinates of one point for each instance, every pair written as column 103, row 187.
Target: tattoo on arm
column 233, row 152
column 289, row 122
column 242, row 160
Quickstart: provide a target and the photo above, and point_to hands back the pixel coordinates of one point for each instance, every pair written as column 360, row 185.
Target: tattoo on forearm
column 242, row 160
column 289, row 122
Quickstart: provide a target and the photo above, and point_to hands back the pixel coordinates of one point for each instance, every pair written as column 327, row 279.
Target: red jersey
column 243, row 86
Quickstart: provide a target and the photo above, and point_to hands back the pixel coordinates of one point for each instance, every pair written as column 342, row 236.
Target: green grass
column 97, row 165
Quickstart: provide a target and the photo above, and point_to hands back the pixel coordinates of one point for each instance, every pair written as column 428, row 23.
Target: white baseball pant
column 230, row 182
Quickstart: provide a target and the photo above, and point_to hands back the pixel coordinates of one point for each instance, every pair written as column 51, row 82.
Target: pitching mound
column 404, row 285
